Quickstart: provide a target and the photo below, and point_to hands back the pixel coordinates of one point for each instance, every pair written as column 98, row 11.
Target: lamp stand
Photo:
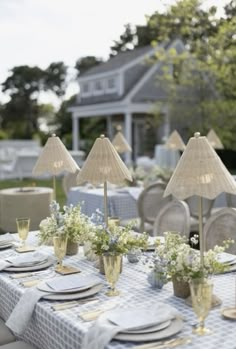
column 105, row 205
column 54, row 188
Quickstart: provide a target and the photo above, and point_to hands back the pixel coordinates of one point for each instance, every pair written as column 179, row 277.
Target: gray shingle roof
column 118, row 61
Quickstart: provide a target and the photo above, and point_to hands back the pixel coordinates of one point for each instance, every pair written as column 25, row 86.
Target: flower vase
column 181, row 288
column 155, row 280
column 72, row 248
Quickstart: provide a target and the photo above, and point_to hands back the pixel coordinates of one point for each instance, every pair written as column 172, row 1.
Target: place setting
column 134, row 324
column 6, row 241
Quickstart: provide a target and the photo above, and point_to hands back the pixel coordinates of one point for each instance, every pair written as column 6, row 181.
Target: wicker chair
column 207, row 205
column 231, row 200
column 174, row 216
column 219, row 227
column 149, row 204
column 69, row 180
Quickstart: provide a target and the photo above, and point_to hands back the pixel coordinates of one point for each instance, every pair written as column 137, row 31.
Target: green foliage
column 85, row 63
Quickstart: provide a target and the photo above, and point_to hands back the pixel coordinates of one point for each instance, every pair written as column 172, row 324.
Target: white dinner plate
column 149, row 329
column 226, row 258
column 140, row 318
column 35, row 267
column 175, row 326
column 46, row 288
column 76, row 295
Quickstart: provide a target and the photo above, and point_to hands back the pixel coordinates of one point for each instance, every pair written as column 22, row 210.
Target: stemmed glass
column 201, row 294
column 60, row 244
column 112, row 265
column 23, row 225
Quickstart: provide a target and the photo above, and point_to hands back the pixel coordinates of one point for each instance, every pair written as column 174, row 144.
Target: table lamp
column 200, row 172
column 54, row 159
column 175, row 141
column 103, row 165
column 120, row 143
column 214, row 140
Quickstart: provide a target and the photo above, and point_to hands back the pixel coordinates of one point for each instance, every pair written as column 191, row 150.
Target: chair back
column 69, row 180
column 193, row 203
column 150, row 203
column 174, row 216
column 231, row 200
column 219, row 227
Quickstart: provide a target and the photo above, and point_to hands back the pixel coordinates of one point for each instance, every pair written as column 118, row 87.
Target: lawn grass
column 13, row 183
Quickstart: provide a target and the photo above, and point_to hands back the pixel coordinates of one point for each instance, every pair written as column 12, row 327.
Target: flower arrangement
column 115, row 239
column 175, row 257
column 70, row 222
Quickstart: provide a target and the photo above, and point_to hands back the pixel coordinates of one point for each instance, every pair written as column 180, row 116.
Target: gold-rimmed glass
column 60, row 244
column 201, row 294
column 112, row 265
column 23, row 225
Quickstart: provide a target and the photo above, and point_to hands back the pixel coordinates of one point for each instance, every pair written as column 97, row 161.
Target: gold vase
column 112, row 265
column 180, row 287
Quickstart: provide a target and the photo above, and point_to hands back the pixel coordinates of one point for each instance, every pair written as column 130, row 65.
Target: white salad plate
column 76, row 295
column 42, row 265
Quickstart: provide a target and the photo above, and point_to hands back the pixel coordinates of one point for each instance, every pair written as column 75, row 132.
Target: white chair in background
column 149, row 204
column 193, row 203
column 174, row 216
column 219, row 227
column 69, row 180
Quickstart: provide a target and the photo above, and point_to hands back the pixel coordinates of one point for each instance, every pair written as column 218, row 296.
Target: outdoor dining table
column 122, row 202
column 49, row 329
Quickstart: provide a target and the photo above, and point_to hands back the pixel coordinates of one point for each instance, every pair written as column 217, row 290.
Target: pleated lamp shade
column 214, row 140
column 103, row 164
column 175, row 141
column 120, row 143
column 54, row 159
column 200, row 172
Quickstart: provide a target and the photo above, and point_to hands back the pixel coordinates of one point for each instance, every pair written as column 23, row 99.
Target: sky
column 39, row 32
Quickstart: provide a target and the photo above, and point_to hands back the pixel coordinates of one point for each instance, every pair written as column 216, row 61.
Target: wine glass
column 23, row 225
column 60, row 244
column 201, row 294
column 112, row 265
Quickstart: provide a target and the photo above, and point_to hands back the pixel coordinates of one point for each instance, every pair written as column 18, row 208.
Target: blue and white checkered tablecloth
column 120, row 201
column 50, row 329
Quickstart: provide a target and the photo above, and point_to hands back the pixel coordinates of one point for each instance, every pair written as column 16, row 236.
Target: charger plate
column 229, row 313
column 76, row 295
column 175, row 326
column 35, row 267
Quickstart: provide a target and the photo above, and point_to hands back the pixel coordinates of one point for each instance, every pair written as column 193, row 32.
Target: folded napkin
column 21, row 314
column 23, row 260
column 102, row 331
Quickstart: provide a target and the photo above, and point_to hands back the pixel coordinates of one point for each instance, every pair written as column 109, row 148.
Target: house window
column 111, row 85
column 85, row 89
column 98, row 85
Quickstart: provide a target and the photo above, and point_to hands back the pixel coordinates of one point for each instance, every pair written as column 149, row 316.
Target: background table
column 122, row 202
column 50, row 329
column 24, row 202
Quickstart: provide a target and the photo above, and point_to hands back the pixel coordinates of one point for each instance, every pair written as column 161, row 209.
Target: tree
column 85, row 63
column 24, row 85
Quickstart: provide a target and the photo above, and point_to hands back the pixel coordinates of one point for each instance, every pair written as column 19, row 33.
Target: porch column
column 109, row 127
column 75, row 133
column 128, row 136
